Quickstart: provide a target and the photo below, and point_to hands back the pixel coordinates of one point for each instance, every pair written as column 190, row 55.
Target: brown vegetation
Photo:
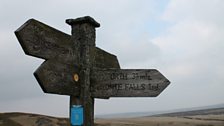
column 22, row 119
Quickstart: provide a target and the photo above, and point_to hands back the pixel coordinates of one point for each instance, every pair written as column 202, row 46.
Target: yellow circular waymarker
column 76, row 77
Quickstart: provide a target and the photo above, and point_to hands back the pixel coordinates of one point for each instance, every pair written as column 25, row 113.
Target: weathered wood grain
column 127, row 83
column 103, row 59
column 40, row 40
column 83, row 35
column 58, row 78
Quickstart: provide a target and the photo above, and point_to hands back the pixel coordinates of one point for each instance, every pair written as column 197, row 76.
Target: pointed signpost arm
column 57, row 78
column 40, row 40
column 55, row 75
column 127, row 83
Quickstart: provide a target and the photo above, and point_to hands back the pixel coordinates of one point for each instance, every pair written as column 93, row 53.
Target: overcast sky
column 183, row 39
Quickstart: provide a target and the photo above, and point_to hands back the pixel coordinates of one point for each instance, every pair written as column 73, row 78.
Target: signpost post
column 74, row 66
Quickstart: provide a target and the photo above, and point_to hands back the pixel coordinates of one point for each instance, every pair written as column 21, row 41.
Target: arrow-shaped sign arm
column 58, row 78
column 42, row 41
column 127, row 83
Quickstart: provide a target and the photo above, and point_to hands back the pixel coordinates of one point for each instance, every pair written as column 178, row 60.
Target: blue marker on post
column 76, row 115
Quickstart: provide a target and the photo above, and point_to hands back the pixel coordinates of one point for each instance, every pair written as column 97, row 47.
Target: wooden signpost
column 74, row 66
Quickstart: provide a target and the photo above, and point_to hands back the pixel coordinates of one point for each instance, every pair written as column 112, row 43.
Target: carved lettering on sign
column 127, row 87
column 126, row 76
column 127, row 83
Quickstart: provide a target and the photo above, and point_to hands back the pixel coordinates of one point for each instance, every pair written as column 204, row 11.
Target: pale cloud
column 193, row 45
column 188, row 51
column 188, row 38
column 204, row 10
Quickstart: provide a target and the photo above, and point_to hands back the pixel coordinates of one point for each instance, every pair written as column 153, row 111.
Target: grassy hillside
column 25, row 119
column 209, row 117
